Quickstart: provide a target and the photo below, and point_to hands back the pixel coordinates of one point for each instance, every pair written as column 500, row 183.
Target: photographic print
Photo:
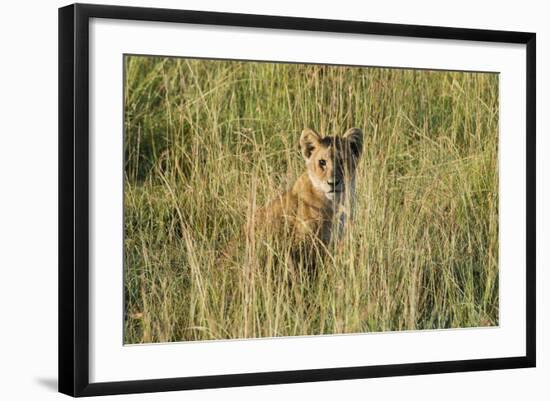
column 280, row 200
column 268, row 199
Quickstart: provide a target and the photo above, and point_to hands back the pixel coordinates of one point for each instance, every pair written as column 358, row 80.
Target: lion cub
column 313, row 213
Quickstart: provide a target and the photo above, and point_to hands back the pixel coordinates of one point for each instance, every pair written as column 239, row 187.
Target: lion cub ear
column 309, row 140
column 354, row 136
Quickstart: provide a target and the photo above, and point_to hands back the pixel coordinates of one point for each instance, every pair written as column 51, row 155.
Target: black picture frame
column 74, row 198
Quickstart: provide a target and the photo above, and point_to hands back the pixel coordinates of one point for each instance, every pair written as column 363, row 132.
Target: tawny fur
column 315, row 210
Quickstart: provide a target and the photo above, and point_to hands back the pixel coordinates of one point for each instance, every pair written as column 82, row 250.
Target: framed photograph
column 250, row 199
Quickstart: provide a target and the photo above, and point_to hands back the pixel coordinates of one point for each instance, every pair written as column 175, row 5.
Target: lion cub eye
column 322, row 163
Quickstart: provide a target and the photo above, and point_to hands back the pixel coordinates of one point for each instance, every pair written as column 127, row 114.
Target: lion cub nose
column 333, row 183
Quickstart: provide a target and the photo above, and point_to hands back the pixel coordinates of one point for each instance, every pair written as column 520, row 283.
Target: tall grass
column 207, row 140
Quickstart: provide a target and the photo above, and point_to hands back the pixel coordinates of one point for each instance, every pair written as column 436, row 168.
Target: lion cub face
column 331, row 160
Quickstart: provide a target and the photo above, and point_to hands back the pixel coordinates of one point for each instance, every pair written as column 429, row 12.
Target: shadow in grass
column 48, row 382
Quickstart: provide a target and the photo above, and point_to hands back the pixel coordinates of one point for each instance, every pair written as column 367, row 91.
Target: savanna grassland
column 206, row 140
